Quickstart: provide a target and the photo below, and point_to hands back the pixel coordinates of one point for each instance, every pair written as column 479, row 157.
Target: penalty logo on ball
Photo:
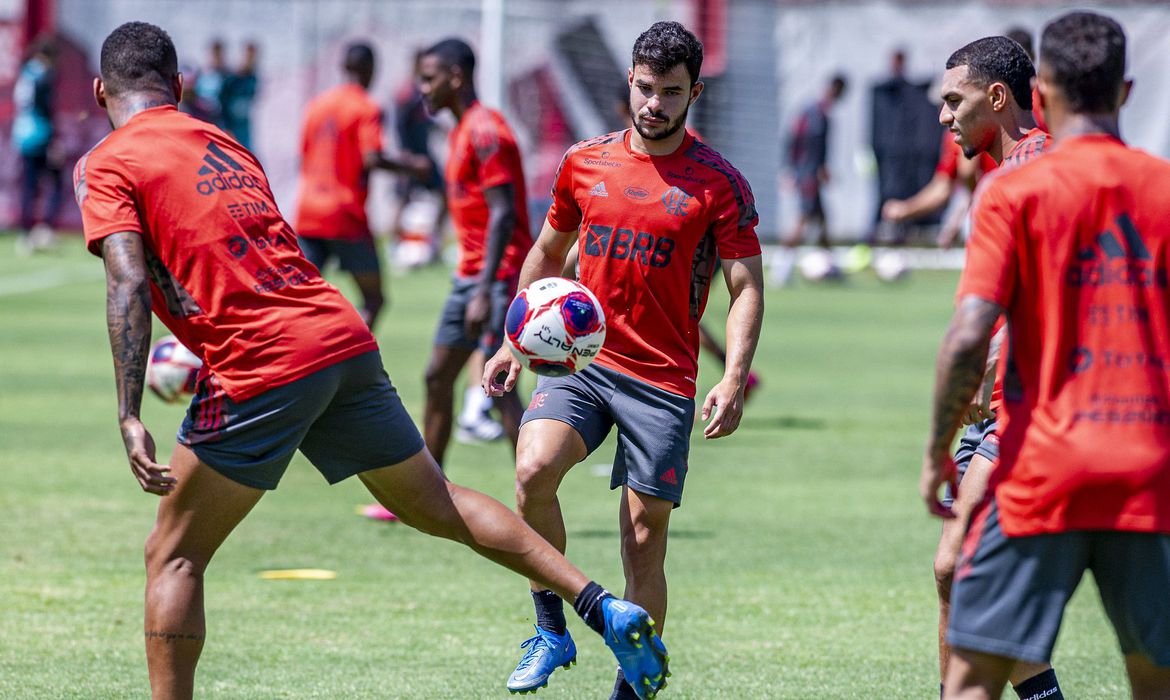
column 555, row 326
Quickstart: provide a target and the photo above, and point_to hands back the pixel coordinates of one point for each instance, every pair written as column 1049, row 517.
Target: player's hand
column 894, row 210
column 724, row 407
column 980, row 408
column 153, row 477
column 502, row 364
column 475, row 316
column 936, row 471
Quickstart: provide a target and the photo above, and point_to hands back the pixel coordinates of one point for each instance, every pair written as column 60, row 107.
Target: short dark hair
column 1085, row 53
column 998, row 59
column 454, row 52
column 138, row 57
column 665, row 45
column 359, row 58
column 1023, row 37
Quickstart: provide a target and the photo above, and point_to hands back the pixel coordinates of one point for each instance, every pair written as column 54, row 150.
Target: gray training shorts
column 978, row 439
column 450, row 332
column 1010, row 592
column 654, row 425
column 346, row 418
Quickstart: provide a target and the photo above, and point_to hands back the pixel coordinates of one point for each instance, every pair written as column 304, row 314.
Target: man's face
column 437, row 83
column 659, row 103
column 967, row 112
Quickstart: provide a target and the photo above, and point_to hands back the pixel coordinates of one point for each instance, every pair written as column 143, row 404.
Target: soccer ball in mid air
column 555, row 326
column 172, row 369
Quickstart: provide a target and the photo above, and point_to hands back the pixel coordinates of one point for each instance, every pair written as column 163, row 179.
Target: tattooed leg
column 192, row 523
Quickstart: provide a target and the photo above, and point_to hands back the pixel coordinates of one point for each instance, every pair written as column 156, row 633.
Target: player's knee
column 163, row 562
column 437, row 381
column 535, row 478
column 944, row 573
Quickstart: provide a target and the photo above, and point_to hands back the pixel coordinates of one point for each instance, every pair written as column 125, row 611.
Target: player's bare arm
column 962, row 361
column 128, row 319
column 410, row 164
column 724, row 403
column 501, row 202
column 980, row 408
column 546, row 259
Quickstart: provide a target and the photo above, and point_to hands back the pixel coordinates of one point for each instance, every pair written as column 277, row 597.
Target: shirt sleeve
column 107, row 200
column 948, row 157
column 564, row 214
column 369, row 132
column 990, row 271
column 736, row 221
column 496, row 155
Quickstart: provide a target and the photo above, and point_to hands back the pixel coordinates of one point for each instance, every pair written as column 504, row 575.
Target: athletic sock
column 471, row 404
column 588, row 606
column 621, row 689
column 1042, row 686
column 550, row 611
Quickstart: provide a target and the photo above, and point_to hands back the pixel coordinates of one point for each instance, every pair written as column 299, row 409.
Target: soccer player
column 808, row 158
column 489, row 210
column 184, row 219
column 986, row 107
column 341, row 143
column 1073, row 247
column 650, row 208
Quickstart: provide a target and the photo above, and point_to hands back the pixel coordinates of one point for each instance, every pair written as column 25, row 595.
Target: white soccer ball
column 555, row 326
column 890, row 266
column 172, row 369
column 817, row 265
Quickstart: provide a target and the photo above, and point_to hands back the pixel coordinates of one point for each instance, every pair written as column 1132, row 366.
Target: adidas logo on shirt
column 226, row 172
column 599, row 190
column 1117, row 257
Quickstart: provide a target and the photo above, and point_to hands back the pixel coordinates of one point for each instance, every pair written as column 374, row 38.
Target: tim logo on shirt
column 1117, row 257
column 226, row 173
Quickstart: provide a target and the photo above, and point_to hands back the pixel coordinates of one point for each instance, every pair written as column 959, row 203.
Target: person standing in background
column 33, row 137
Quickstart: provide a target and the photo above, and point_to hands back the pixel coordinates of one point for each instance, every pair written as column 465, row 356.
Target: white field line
column 30, row 282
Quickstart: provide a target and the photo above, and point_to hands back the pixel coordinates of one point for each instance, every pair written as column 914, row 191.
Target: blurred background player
column 422, row 206
column 238, row 94
column 650, row 261
column 987, row 102
column 808, row 160
column 489, row 212
column 341, row 143
column 904, row 134
column 33, row 135
column 208, row 84
column 1058, row 245
column 288, row 365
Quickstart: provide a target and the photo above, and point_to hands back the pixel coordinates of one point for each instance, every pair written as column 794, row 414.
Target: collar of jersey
column 626, row 142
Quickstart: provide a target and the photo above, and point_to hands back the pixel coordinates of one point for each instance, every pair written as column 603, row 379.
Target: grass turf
column 800, row 563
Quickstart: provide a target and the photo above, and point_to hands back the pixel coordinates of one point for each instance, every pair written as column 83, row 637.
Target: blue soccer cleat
column 546, row 651
column 630, row 635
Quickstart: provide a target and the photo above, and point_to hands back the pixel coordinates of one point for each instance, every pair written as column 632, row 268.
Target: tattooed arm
column 960, row 370
column 128, row 319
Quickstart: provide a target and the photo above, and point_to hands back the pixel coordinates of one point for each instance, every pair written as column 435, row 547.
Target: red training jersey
column 1074, row 245
column 651, row 230
column 483, row 154
column 227, row 277
column 1033, row 144
column 341, row 127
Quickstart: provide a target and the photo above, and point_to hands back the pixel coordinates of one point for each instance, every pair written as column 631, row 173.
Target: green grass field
column 800, row 562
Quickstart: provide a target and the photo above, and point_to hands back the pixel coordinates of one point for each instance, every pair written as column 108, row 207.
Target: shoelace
column 530, row 656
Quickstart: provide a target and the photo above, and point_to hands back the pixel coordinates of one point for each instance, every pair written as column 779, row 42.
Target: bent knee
column 944, row 573
column 537, row 477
